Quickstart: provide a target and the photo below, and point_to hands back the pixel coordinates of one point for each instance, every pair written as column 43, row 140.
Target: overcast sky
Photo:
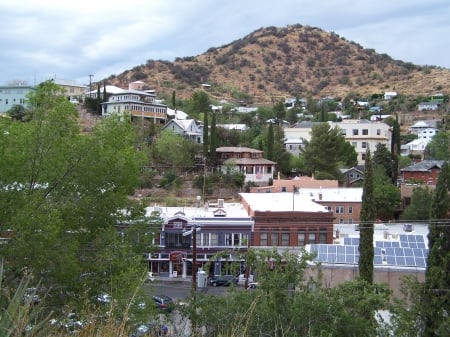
column 41, row 39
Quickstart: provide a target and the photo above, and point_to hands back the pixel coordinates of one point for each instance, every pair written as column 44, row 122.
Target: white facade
column 364, row 134
column 139, row 104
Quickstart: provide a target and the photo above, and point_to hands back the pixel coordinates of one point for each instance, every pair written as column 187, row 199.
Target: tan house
column 289, row 185
column 248, row 161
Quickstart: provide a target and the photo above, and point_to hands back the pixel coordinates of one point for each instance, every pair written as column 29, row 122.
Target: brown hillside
column 271, row 63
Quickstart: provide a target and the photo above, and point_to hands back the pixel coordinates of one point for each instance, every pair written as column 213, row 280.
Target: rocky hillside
column 297, row 60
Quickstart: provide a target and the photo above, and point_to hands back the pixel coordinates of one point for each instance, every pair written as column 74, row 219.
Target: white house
column 389, row 95
column 364, row 134
column 139, row 104
column 187, row 128
column 428, row 106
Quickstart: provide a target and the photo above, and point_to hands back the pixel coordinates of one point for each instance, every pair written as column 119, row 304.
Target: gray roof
column 424, row 165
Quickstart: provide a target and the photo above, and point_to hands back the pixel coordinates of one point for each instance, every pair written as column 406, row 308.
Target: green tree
column 18, row 113
column 436, row 295
column 367, row 219
column 420, row 206
column 67, row 188
column 213, row 141
column 384, row 159
column 205, row 135
column 174, row 151
column 280, row 112
column 270, row 142
column 438, row 147
column 386, row 196
column 347, row 155
column 322, row 152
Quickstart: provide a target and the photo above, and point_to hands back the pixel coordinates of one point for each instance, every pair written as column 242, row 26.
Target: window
column 378, row 132
column 355, row 132
column 323, row 236
column 339, row 209
column 350, row 209
column 285, row 237
column 301, row 238
column 205, row 239
column 350, row 221
column 274, row 239
column 363, row 156
column 364, row 145
column 214, row 239
column 365, row 132
column 263, row 239
column 341, row 221
column 355, row 144
column 311, row 237
column 328, row 208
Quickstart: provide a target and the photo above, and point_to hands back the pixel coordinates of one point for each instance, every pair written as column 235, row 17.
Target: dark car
column 221, row 280
column 150, row 329
column 163, row 302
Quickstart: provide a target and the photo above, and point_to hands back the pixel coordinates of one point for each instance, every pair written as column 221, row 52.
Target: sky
column 71, row 40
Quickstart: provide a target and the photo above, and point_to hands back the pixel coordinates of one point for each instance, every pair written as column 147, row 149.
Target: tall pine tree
column 213, row 140
column 205, row 135
column 367, row 218
column 436, row 295
column 270, row 142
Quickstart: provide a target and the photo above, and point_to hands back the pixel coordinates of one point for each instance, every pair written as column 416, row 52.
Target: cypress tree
column 205, row 135
column 270, row 142
column 436, row 295
column 367, row 218
column 213, row 140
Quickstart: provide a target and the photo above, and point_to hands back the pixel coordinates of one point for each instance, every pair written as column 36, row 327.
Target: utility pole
column 90, row 85
column 194, row 261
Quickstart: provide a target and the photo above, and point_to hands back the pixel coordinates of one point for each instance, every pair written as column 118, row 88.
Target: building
column 11, row 95
column 287, row 220
column 424, row 172
column 353, row 176
column 187, row 128
column 293, row 185
column 139, row 104
column 72, row 90
column 364, row 134
column 344, row 202
column 223, row 233
column 248, row 161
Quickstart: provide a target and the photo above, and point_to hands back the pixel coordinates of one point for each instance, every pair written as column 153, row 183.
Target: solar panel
column 379, row 244
column 377, row 259
column 340, row 258
column 421, row 245
column 420, row 238
column 401, row 261
column 395, row 244
column 331, row 249
column 412, row 238
column 347, row 241
column 421, row 262
column 403, row 237
column 390, row 259
column 410, row 261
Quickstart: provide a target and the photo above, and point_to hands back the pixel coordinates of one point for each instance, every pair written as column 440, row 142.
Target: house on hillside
column 187, row 128
column 429, row 106
column 364, row 134
column 426, row 172
column 11, row 95
column 248, row 161
column 138, row 104
column 353, row 176
column 293, row 185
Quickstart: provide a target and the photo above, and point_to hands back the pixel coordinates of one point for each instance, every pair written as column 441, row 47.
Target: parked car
column 150, row 277
column 150, row 329
column 253, row 285
column 31, row 296
column 163, row 302
column 221, row 280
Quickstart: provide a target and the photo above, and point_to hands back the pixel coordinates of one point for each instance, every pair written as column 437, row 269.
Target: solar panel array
column 409, row 251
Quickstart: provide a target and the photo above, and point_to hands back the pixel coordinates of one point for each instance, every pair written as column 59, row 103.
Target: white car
column 241, row 279
column 150, row 277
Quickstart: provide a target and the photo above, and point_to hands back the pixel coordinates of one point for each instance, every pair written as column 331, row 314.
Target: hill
column 297, row 60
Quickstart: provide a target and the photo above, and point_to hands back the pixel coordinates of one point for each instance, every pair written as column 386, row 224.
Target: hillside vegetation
column 297, row 60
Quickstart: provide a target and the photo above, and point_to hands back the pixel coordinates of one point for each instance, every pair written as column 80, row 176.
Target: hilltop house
column 248, row 161
column 139, row 104
column 426, row 171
